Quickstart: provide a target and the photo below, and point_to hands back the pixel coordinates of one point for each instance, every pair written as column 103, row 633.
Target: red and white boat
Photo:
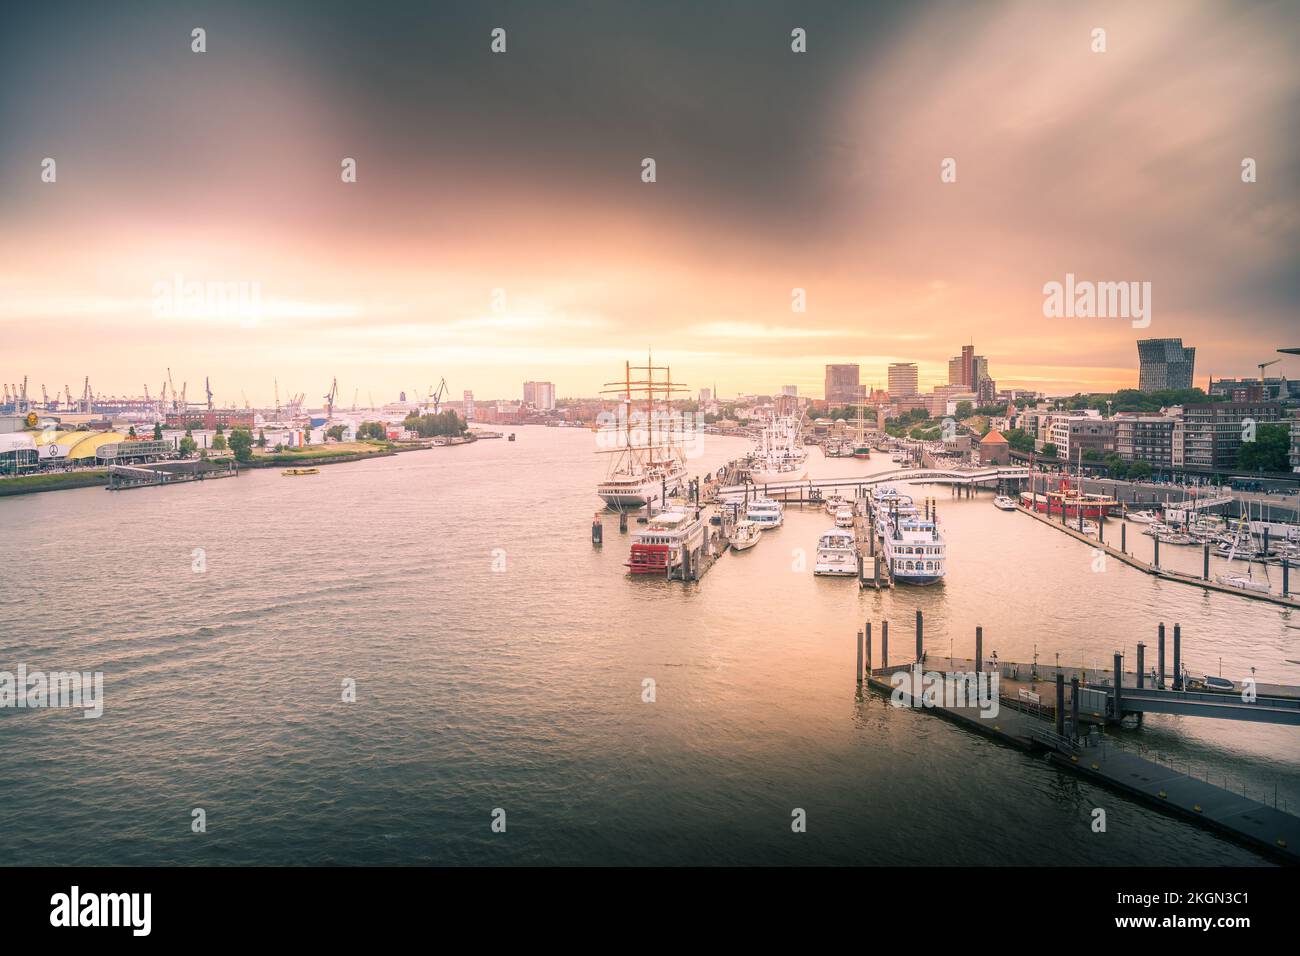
column 1069, row 498
column 658, row 548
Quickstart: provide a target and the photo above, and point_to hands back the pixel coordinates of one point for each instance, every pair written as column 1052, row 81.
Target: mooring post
column 1286, row 576
column 1156, row 563
column 622, row 522
column 597, row 531
column 1205, row 561
column 1141, row 682
column 1123, row 539
column 1178, row 657
column 1101, row 529
column 979, row 649
column 1074, row 707
column 1160, row 657
column 920, row 649
column 884, row 644
column 868, row 641
column 1060, row 704
column 1119, row 680
column 859, row 657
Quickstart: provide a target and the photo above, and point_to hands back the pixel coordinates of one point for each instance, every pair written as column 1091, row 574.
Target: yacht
column 834, row 503
column 837, row 553
column 658, row 547
column 1141, row 517
column 1004, row 503
column 766, row 513
column 745, row 535
column 844, row 517
column 915, row 550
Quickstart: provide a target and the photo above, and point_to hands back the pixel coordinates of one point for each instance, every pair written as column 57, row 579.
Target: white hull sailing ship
column 649, row 461
column 779, row 453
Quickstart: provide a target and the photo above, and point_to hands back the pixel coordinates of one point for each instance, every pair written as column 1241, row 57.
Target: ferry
column 1004, row 503
column 837, row 553
column 658, row 547
column 766, row 513
column 915, row 550
column 745, row 535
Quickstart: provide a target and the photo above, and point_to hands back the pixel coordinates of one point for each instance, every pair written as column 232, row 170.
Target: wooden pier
column 1023, row 720
column 123, row 477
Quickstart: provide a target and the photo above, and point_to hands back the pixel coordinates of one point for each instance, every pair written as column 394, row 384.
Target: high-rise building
column 1212, row 433
column 540, row 395
column 842, row 384
column 1164, row 364
column 904, row 380
column 955, row 374
column 789, row 389
column 469, row 405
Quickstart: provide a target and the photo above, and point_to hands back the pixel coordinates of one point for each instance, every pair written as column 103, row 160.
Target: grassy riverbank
column 30, row 484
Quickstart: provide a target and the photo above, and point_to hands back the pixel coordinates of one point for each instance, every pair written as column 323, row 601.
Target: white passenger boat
column 915, row 550
column 1141, row 517
column 745, row 535
column 658, row 548
column 837, row 554
column 834, row 503
column 1004, row 503
column 766, row 513
column 844, row 517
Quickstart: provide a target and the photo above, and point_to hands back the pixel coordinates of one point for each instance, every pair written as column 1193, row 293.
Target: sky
column 499, row 228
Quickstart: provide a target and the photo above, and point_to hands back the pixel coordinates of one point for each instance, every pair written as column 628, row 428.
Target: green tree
column 188, row 446
column 1139, row 470
column 261, row 438
column 131, row 432
column 1049, row 450
column 1269, row 451
column 219, row 442
column 964, row 410
column 336, row 432
column 241, row 442
column 1019, row 439
column 157, row 431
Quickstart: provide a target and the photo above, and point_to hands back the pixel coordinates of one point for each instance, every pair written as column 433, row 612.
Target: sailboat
column 861, row 449
column 1246, row 582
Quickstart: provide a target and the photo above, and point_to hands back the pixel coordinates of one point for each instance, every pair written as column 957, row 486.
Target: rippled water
column 521, row 689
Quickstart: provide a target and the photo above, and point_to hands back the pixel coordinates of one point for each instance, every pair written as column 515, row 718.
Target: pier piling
column 1060, row 704
column 1141, row 659
column 1205, row 561
column 1286, row 577
column 1074, row 707
column 979, row 649
column 597, row 531
column 1160, row 656
column 868, row 643
column 884, row 643
column 1119, row 680
column 1156, row 562
column 1123, row 538
column 920, row 649
column 1178, row 657
column 859, row 657
column 622, row 522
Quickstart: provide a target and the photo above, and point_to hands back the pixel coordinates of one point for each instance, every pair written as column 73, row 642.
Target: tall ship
column 915, row 550
column 648, row 462
column 779, row 453
column 861, row 449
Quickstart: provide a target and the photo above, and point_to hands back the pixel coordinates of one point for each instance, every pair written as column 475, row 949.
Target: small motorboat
column 745, row 535
column 1141, row 517
column 293, row 472
column 1003, row 503
column 844, row 517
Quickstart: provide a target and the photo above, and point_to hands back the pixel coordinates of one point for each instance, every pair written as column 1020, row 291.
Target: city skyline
column 508, row 230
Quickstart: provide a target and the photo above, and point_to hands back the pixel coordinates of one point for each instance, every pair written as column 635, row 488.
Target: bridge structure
column 1226, row 706
column 955, row 476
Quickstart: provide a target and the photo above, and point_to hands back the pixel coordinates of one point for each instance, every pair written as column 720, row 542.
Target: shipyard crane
column 1263, row 365
column 207, row 387
column 277, row 399
column 436, row 396
column 175, row 394
column 329, row 400
column 67, row 398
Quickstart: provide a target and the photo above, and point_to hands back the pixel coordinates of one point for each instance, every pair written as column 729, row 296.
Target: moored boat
column 659, row 546
column 915, row 550
column 745, row 535
column 837, row 554
column 1004, row 503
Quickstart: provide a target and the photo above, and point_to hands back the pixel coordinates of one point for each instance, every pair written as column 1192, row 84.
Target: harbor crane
column 329, row 400
column 436, row 396
column 207, row 387
column 175, row 395
column 1263, row 365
